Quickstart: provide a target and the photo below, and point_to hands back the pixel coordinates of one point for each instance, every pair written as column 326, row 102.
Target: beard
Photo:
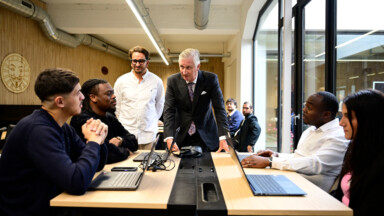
column 112, row 109
column 139, row 70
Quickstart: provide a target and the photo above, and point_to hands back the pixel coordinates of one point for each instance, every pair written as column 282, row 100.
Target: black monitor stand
column 196, row 190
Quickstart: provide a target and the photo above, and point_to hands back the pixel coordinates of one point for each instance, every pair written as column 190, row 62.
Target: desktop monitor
column 378, row 85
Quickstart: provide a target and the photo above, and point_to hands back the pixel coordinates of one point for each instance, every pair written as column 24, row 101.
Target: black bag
column 191, row 151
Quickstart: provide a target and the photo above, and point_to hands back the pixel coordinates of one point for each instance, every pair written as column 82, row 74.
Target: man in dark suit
column 249, row 130
column 189, row 99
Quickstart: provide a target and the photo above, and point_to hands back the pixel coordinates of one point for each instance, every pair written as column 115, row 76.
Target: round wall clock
column 15, row 73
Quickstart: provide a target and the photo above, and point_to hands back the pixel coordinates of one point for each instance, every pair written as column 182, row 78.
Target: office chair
column 3, row 134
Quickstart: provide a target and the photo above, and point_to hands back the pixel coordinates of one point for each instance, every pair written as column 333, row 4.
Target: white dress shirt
column 140, row 104
column 319, row 152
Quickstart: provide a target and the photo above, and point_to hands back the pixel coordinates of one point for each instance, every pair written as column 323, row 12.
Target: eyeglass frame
column 140, row 61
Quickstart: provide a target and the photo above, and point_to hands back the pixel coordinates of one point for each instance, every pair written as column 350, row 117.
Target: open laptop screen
column 270, row 185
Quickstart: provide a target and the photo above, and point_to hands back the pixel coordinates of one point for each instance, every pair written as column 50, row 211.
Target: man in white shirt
column 321, row 148
column 140, row 98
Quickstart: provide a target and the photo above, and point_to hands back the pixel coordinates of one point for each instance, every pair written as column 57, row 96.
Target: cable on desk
column 157, row 163
column 171, row 162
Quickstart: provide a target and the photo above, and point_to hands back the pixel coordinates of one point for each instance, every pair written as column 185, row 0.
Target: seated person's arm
column 328, row 158
column 70, row 171
column 95, row 131
column 267, row 153
column 255, row 161
column 124, row 139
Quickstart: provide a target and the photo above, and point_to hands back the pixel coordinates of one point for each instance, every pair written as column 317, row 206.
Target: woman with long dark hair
column 362, row 176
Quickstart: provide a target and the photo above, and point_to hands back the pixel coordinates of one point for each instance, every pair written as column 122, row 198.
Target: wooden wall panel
column 24, row 36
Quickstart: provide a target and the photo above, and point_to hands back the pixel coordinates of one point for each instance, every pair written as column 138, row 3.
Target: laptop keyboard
column 266, row 183
column 242, row 156
column 124, row 179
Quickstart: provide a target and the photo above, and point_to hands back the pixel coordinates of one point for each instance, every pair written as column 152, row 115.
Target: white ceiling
column 113, row 22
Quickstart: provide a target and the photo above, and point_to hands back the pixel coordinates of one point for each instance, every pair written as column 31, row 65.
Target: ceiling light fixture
column 354, row 77
column 356, row 38
column 133, row 5
column 350, row 41
column 321, row 54
column 360, row 60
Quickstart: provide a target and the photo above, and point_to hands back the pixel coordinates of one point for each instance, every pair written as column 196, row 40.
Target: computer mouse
column 191, row 151
column 196, row 151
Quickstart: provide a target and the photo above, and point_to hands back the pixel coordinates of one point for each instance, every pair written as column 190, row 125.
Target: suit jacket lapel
column 198, row 89
column 182, row 84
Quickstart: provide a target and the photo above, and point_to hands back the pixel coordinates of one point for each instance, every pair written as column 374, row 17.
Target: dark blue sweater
column 40, row 160
column 234, row 121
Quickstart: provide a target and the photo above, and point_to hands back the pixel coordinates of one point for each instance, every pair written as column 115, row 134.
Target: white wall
column 238, row 72
column 238, row 67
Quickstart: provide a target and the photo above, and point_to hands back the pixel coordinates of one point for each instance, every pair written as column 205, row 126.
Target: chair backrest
column 335, row 184
column 4, row 134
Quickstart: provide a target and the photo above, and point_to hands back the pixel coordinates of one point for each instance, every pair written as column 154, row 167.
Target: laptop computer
column 143, row 155
column 163, row 156
column 122, row 180
column 266, row 185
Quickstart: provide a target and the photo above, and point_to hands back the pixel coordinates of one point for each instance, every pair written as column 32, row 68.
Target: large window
column 266, row 77
column 314, row 47
column 359, row 59
column 360, row 45
column 294, row 115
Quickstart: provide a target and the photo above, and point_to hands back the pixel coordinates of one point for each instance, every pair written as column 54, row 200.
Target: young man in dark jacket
column 44, row 156
column 249, row 130
column 100, row 103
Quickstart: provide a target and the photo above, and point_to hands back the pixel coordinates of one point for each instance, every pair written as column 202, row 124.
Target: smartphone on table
column 124, row 169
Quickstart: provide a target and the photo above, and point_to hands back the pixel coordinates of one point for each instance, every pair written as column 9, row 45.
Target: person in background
column 44, row 156
column 100, row 103
column 140, row 99
column 361, row 186
column 249, row 131
column 320, row 151
column 234, row 116
column 189, row 99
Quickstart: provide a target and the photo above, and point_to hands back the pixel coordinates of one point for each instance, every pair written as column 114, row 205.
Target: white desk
column 155, row 189
column 240, row 200
column 153, row 192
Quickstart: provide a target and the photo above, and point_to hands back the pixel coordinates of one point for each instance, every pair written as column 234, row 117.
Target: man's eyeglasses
column 141, row 61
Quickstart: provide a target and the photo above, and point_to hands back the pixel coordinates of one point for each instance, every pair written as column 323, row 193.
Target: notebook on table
column 122, row 180
column 266, row 185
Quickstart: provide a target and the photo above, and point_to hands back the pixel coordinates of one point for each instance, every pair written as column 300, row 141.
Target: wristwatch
column 270, row 161
column 119, row 138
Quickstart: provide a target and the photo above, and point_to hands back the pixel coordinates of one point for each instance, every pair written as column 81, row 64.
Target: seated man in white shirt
column 321, row 148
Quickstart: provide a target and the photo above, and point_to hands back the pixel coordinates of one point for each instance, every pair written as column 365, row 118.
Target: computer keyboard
column 266, row 183
column 126, row 179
